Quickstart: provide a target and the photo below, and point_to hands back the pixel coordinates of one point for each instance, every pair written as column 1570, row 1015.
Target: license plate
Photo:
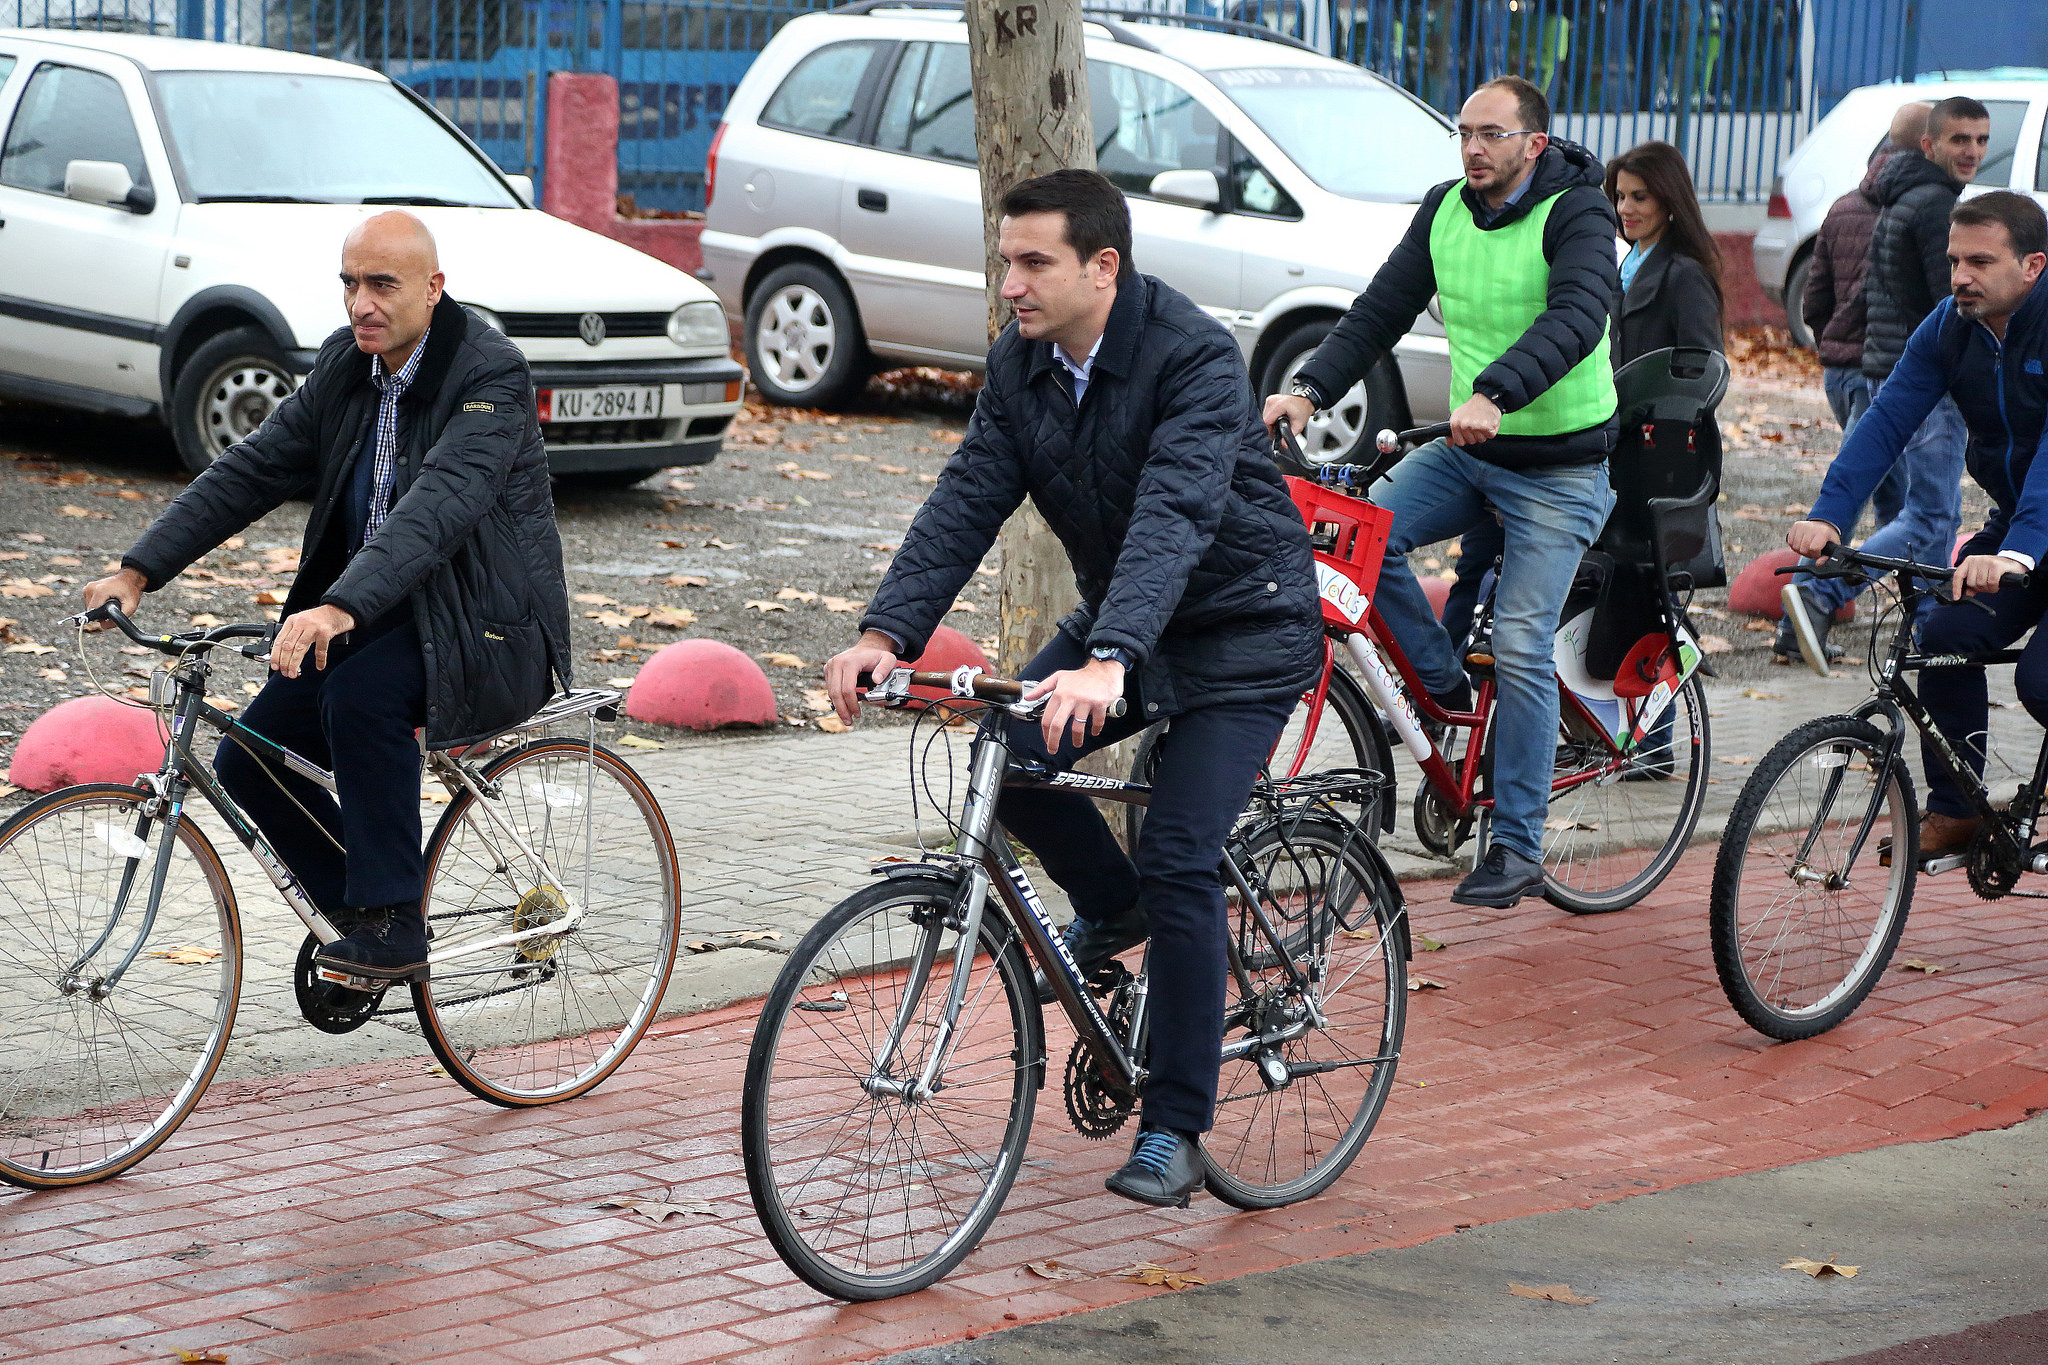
column 618, row 402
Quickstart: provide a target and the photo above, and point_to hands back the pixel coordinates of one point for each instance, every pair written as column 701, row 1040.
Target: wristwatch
column 1113, row 654
column 1302, row 389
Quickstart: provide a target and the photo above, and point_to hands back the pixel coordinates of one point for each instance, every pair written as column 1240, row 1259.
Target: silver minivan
column 1266, row 182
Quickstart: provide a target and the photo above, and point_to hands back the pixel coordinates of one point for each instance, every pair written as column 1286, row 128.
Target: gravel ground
column 772, row 548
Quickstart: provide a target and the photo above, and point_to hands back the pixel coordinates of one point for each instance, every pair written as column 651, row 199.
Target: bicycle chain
column 1096, row 1107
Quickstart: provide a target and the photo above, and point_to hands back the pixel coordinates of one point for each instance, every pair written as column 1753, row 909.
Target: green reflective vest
column 1491, row 286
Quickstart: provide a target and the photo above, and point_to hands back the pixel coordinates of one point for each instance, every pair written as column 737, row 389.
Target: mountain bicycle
column 551, row 903
column 1810, row 892
column 895, row 1065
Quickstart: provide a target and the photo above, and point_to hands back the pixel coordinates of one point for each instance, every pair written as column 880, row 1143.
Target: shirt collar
column 383, row 378
column 1079, row 371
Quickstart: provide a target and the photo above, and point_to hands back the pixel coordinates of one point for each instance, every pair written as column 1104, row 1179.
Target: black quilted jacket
column 1908, row 270
column 470, row 538
column 1186, row 548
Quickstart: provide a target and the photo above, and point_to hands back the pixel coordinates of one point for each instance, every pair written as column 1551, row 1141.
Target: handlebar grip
column 2013, row 580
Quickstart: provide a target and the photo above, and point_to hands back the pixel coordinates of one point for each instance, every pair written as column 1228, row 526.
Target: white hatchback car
column 1266, row 181
column 171, row 219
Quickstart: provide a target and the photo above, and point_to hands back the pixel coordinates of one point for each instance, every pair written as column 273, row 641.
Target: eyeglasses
column 1462, row 136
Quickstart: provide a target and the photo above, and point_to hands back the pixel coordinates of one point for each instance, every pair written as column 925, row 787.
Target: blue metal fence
column 1735, row 83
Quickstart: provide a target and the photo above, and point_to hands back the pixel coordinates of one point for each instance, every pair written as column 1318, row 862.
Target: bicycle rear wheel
column 1801, row 934
column 547, row 1017
column 1291, row 1117
column 863, row 1193
column 1617, row 832
column 95, row 1077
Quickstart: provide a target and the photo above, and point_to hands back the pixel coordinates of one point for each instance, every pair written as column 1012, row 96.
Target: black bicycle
column 1816, row 870
column 890, row 1086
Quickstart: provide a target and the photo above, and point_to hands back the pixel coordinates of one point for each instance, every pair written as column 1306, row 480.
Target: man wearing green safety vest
column 1521, row 254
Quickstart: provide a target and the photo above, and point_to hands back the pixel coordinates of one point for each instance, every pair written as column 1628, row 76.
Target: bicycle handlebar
column 1839, row 561
column 171, row 644
column 967, row 682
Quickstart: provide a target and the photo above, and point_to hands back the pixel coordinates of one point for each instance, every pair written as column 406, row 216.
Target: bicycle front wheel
column 1623, row 821
column 543, row 1017
column 1293, row 1113
column 98, row 1072
column 867, row 1187
column 1804, row 921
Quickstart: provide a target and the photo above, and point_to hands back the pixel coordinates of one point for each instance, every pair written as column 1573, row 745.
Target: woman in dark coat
column 1671, row 277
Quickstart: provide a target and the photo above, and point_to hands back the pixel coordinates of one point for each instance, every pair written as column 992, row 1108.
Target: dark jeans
column 1956, row 697
column 356, row 717
column 1478, row 549
column 1207, row 761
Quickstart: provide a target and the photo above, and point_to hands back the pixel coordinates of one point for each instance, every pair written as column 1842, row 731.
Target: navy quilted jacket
column 470, row 541
column 1186, row 548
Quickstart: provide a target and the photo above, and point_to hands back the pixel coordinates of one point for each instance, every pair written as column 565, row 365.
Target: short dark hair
column 1952, row 109
column 1532, row 106
column 2026, row 226
column 1096, row 212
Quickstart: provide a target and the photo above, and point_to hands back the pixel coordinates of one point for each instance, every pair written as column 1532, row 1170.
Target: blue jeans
column 1551, row 516
column 1925, row 530
column 1848, row 391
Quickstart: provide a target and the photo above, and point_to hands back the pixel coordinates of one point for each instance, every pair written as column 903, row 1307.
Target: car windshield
column 270, row 137
column 1351, row 134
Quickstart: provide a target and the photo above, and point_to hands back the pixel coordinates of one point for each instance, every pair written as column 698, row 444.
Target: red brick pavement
column 378, row 1213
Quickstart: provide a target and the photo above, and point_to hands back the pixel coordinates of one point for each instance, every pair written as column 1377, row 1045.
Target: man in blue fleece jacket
column 1987, row 347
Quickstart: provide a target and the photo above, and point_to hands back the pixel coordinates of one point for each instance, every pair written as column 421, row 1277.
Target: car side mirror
column 522, row 185
column 108, row 183
column 1196, row 189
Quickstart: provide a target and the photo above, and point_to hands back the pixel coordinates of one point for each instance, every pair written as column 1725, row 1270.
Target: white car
column 1266, row 181
column 171, row 220
column 1831, row 160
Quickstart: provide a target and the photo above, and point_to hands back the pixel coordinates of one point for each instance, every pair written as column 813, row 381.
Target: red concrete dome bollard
column 87, row 739
column 1756, row 589
column 701, row 685
column 947, row 650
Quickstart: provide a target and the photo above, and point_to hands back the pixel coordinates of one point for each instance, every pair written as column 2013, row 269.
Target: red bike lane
column 378, row 1213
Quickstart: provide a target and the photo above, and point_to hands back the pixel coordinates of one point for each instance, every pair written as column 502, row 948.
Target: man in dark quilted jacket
column 1124, row 412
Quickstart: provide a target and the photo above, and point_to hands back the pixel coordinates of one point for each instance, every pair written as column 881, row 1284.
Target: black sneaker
column 1092, row 945
column 1164, row 1171
column 1500, row 880
column 1809, row 624
column 389, row 944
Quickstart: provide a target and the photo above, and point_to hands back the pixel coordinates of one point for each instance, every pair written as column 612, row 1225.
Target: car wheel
column 1795, row 294
column 225, row 391
column 1343, row 432
column 803, row 339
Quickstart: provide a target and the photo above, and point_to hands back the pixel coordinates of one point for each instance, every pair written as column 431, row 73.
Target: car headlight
column 490, row 319
column 698, row 324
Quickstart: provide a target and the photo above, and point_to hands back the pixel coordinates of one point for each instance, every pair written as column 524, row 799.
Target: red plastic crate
column 1350, row 539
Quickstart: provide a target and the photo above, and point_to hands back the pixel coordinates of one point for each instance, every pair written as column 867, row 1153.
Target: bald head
column 1909, row 125
column 390, row 282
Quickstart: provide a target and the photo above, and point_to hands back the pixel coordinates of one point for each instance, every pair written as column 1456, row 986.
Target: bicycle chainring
column 1993, row 864
column 326, row 1006
column 1096, row 1106
column 1440, row 832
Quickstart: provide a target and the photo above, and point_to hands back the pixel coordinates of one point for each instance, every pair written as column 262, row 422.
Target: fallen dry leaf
column 22, row 587
column 1715, row 644
column 758, row 605
column 52, row 674
column 832, row 725
column 788, row 594
column 784, row 660
column 671, row 618
column 1914, row 964
column 187, row 956
column 687, row 580
column 1144, row 1272
column 657, row 1210
column 1758, row 694
column 1820, row 1270
column 753, row 935
column 841, row 603
column 701, row 945
column 640, row 742
column 1735, row 760
column 596, row 599
column 818, row 699
column 31, row 647
column 1556, row 1293
column 618, row 682
column 66, row 561
column 1053, row 1270
column 208, row 1355
column 716, row 544
column 434, row 797
column 1425, row 944
column 1565, row 822
column 207, row 620
column 611, row 620
column 1424, row 983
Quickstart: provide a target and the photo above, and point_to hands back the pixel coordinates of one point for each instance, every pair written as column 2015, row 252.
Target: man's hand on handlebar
column 1983, row 574
column 1295, row 409
column 1081, row 699
column 1810, row 539
column 1476, row 420
column 124, row 587
column 874, row 656
column 307, row 630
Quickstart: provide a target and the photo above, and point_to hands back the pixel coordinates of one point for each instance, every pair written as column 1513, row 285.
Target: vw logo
column 591, row 328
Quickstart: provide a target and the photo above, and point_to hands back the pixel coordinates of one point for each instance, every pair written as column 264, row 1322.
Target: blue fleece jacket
column 2002, row 390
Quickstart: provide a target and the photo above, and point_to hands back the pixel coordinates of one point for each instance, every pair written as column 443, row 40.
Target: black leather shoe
column 1502, row 879
column 1164, row 1171
column 1092, row 945
column 389, row 945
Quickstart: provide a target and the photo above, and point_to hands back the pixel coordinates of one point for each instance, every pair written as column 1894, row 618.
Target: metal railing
column 1735, row 83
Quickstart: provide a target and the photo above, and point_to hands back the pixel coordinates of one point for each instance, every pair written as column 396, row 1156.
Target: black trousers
column 1207, row 763
column 356, row 718
column 1956, row 697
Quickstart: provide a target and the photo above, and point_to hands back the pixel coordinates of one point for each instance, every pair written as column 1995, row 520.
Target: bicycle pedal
column 354, row 983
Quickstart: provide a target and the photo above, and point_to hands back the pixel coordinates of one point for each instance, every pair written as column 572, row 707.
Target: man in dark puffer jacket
column 429, row 592
column 1906, row 277
column 1124, row 412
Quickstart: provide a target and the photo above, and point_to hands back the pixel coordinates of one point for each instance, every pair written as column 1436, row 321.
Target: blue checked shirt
column 392, row 387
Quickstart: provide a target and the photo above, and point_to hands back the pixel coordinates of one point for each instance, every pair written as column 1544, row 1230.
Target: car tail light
column 1778, row 207
column 711, row 167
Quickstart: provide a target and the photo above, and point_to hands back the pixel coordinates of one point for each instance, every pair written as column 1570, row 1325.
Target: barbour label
column 478, row 407
column 489, row 636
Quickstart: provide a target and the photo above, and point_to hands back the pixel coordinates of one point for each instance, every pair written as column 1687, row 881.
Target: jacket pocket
column 510, row 679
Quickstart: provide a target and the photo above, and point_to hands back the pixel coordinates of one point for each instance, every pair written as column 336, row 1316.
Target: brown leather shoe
column 1941, row 836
